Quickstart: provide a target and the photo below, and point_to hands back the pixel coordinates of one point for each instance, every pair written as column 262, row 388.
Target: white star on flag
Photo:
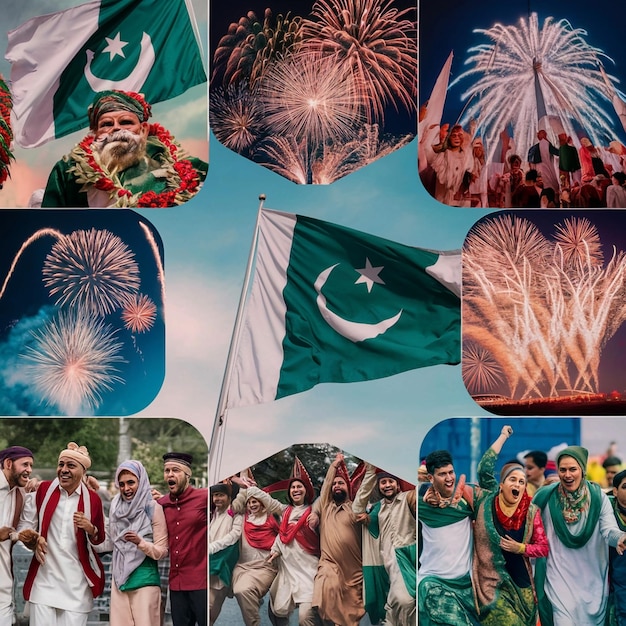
column 115, row 47
column 369, row 275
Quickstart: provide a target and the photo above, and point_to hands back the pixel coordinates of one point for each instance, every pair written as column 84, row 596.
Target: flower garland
column 182, row 179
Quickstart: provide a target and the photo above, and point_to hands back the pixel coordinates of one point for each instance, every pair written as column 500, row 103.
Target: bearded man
column 185, row 509
column 224, row 532
column 338, row 585
column 124, row 161
column 16, row 464
column 392, row 521
column 66, row 573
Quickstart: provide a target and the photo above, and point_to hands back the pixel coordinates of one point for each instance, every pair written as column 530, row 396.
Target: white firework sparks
column 72, row 362
column 310, row 97
column 94, row 270
column 523, row 61
column 544, row 310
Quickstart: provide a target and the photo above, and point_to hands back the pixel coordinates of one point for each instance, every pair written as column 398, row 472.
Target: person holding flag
column 124, row 161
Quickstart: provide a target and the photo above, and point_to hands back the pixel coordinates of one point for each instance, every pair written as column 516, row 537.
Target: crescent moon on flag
column 135, row 80
column 354, row 331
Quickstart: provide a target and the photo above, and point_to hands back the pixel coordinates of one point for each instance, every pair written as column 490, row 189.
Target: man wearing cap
column 224, row 533
column 186, row 510
column 580, row 525
column 124, row 161
column 392, row 520
column 16, row 463
column 338, row 585
column 66, row 573
column 612, row 465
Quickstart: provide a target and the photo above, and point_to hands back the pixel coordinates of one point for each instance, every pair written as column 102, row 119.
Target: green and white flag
column 59, row 61
column 332, row 304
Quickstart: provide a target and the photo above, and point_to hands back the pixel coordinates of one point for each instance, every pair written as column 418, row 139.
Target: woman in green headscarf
column 508, row 532
column 580, row 525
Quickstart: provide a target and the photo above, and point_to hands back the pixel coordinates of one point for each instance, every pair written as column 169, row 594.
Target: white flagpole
column 216, row 444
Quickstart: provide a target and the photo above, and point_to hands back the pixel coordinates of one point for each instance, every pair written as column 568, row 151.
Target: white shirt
column 60, row 582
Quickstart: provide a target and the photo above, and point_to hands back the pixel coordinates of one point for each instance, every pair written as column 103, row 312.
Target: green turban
column 578, row 453
column 113, row 100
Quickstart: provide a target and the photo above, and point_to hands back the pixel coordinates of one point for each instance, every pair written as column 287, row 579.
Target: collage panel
column 313, row 90
column 520, row 520
column 133, row 494
column 543, row 313
column 312, row 534
column 521, row 105
column 103, row 104
column 81, row 312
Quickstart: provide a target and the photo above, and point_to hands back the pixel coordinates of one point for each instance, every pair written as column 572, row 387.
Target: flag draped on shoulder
column 58, row 61
column 332, row 304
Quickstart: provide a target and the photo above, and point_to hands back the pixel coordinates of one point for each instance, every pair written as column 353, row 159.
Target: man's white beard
column 119, row 150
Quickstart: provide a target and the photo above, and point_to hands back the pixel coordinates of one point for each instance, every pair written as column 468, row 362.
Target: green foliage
column 316, row 458
column 150, row 439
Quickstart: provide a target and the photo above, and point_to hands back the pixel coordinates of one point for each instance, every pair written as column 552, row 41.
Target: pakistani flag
column 59, row 61
column 332, row 304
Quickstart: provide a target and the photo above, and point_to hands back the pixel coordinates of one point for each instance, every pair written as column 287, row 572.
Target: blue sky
column 206, row 244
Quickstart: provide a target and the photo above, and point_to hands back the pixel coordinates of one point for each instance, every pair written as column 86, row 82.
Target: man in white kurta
column 397, row 537
column 65, row 574
column 16, row 464
column 224, row 532
column 576, row 576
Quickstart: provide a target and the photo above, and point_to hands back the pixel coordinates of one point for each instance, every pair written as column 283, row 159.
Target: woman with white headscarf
column 139, row 533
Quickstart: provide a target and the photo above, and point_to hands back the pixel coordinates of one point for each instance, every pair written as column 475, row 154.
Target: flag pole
column 216, row 443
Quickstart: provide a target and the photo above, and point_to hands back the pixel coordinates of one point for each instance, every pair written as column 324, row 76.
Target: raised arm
column 365, row 490
column 486, row 478
column 326, row 492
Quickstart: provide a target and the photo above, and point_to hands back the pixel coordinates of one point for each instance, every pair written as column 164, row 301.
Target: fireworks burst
column 579, row 242
column 480, row 371
column 528, row 72
column 236, row 117
column 543, row 310
column 250, row 46
column 72, row 362
column 376, row 42
column 139, row 315
column 93, row 270
column 310, row 96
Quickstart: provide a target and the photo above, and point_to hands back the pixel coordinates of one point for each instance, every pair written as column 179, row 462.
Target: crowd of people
column 541, row 543
column 63, row 523
column 349, row 551
column 557, row 171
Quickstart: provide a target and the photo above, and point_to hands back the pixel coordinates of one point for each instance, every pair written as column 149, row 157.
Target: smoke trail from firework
column 94, row 270
column 505, row 74
column 34, row 237
column 543, row 310
column 157, row 257
column 139, row 315
column 72, row 361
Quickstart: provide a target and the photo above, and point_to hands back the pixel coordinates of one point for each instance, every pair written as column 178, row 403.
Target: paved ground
column 231, row 616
